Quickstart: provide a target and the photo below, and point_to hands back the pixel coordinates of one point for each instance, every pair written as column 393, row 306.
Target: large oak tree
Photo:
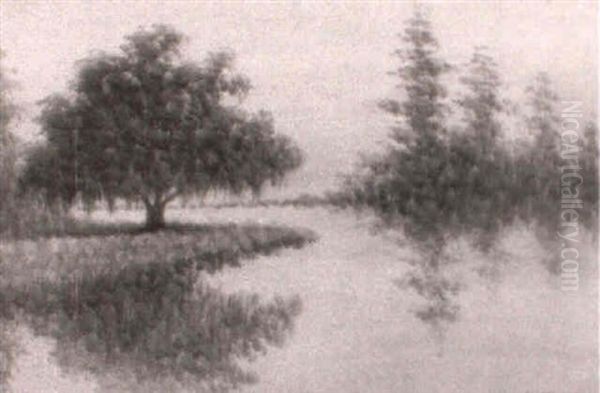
column 144, row 125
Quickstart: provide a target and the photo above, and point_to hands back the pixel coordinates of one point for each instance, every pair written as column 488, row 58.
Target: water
column 517, row 332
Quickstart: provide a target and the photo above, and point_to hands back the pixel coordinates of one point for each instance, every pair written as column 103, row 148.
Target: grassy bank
column 124, row 300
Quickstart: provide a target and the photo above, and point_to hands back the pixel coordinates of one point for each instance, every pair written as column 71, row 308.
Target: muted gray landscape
column 299, row 197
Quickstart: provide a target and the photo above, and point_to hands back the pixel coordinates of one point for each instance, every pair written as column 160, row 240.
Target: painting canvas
column 301, row 197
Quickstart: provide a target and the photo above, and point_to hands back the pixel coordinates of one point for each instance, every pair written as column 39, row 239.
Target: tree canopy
column 145, row 125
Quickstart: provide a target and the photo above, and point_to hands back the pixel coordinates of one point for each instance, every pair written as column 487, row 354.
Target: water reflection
column 150, row 326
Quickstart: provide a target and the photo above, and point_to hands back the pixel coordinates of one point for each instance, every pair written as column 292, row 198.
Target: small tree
column 408, row 176
column 589, row 172
column 542, row 164
column 413, row 181
column 538, row 165
column 441, row 185
column 145, row 126
column 420, row 114
column 481, row 103
column 483, row 171
column 7, row 149
column 7, row 207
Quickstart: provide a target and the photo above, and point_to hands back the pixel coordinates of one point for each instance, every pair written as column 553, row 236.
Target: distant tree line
column 442, row 182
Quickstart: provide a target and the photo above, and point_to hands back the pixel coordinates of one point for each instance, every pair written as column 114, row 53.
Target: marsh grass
column 48, row 225
column 210, row 247
column 135, row 301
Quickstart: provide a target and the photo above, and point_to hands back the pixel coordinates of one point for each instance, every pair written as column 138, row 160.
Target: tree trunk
column 155, row 216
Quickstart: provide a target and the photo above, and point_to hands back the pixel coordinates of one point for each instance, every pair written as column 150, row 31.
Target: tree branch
column 174, row 194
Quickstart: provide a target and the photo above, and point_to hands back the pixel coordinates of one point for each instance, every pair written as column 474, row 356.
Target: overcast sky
column 320, row 68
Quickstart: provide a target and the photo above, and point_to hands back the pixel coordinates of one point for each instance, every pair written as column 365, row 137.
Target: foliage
column 589, row 171
column 7, row 201
column 420, row 115
column 415, row 179
column 541, row 166
column 442, row 185
column 7, row 150
column 146, row 126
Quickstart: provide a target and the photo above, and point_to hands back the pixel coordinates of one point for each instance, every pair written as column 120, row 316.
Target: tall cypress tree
column 420, row 114
column 542, row 166
column 481, row 103
column 411, row 180
column 482, row 166
column 418, row 157
column 539, row 166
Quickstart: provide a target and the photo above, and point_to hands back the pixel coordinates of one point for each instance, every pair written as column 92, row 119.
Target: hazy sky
column 319, row 67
